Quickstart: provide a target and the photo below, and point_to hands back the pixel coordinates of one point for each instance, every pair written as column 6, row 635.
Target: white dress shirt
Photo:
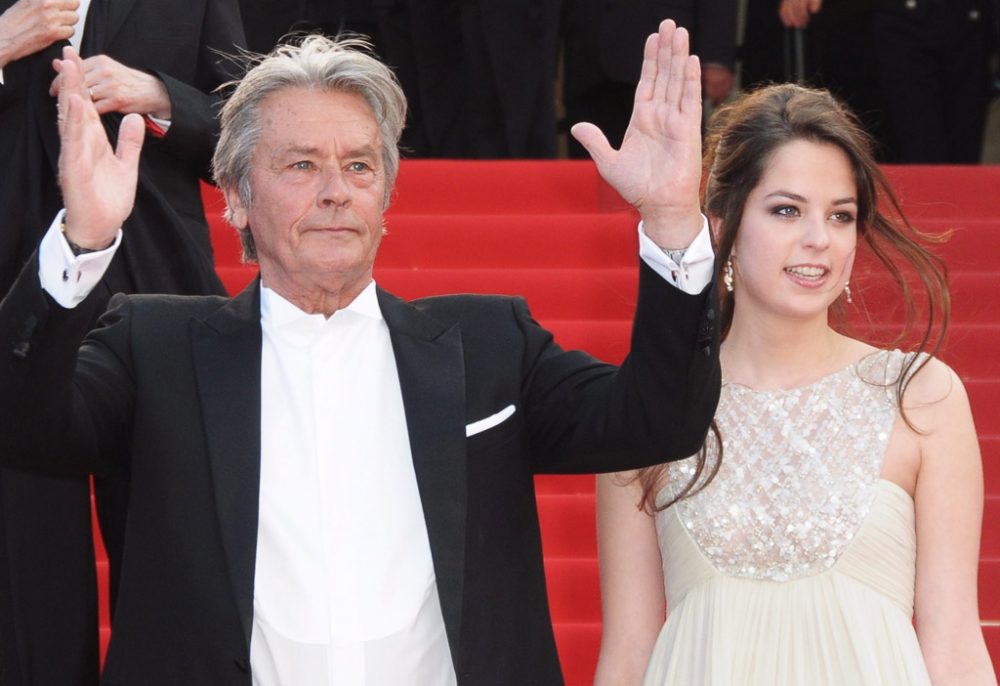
column 344, row 590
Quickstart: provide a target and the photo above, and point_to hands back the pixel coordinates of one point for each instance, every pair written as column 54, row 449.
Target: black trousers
column 933, row 71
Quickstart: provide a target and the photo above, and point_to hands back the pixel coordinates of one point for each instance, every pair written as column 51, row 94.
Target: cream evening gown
column 796, row 564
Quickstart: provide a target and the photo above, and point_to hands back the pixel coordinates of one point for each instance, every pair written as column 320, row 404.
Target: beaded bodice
column 798, row 474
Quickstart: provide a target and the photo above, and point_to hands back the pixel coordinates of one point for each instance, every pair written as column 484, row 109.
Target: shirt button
column 911, row 4
column 974, row 15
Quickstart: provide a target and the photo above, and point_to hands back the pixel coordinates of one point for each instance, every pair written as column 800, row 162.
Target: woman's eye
column 786, row 211
column 843, row 217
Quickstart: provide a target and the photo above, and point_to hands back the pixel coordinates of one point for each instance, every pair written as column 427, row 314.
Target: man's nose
column 334, row 189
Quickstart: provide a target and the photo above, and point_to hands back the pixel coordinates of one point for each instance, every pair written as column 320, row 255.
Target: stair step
column 569, row 525
column 989, row 588
column 564, row 483
column 989, row 445
column 990, row 546
column 578, row 645
column 948, row 192
column 991, row 632
column 539, row 186
column 574, row 589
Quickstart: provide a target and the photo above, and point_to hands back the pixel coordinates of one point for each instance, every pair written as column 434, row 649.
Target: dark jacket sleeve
column 585, row 416
column 195, row 102
column 66, row 406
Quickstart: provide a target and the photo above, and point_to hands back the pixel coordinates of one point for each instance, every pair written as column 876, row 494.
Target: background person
column 158, row 59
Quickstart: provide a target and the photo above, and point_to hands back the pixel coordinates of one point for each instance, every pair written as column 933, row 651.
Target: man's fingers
column 647, row 77
column 678, row 65
column 130, row 137
column 593, row 140
column 691, row 98
column 70, row 121
column 663, row 59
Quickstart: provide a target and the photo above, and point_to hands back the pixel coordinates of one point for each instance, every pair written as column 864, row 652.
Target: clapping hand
column 795, row 14
column 98, row 184
column 658, row 167
column 28, row 26
column 116, row 88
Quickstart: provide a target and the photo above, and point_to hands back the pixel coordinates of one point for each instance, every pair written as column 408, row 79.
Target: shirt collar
column 282, row 315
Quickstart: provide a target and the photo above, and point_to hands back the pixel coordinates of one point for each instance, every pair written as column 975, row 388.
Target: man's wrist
column 77, row 249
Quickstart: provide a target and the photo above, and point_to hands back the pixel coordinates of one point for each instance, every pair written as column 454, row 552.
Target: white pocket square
column 489, row 422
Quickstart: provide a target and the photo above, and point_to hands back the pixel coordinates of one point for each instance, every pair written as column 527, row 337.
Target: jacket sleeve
column 585, row 416
column 194, row 124
column 66, row 405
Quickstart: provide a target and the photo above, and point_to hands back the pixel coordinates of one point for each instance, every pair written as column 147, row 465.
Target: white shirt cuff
column 162, row 123
column 695, row 269
column 70, row 278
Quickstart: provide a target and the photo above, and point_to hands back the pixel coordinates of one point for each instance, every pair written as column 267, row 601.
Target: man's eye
column 359, row 167
column 302, row 165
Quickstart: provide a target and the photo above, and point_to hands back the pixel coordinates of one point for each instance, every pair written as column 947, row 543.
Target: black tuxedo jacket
column 174, row 384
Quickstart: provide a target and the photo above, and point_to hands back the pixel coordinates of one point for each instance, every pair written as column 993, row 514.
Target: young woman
column 828, row 533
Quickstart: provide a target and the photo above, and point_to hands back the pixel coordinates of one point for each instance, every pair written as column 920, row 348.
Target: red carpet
column 551, row 231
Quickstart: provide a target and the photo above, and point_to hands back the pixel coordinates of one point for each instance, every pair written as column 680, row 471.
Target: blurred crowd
column 506, row 78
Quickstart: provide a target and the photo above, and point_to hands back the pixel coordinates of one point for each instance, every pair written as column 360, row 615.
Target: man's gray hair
column 318, row 63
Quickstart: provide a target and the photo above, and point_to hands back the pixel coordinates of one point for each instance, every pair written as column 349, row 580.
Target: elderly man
column 331, row 485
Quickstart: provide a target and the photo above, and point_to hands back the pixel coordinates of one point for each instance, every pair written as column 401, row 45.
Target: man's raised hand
column 658, row 167
column 98, row 184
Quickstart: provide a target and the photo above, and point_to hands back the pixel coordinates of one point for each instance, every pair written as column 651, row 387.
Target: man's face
column 317, row 192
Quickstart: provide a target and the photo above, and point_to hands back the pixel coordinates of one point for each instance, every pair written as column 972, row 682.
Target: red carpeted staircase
column 551, row 231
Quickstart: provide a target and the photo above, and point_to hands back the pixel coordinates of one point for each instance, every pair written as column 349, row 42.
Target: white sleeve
column 70, row 278
column 693, row 271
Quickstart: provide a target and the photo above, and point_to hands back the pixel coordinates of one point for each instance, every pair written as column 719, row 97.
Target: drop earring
column 727, row 275
column 847, row 292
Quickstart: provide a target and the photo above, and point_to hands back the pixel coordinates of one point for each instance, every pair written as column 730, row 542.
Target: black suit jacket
column 168, row 249
column 174, row 383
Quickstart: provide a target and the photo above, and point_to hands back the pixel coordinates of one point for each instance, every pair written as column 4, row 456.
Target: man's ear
column 237, row 210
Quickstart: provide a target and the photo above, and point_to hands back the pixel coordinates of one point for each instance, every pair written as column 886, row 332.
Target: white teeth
column 808, row 272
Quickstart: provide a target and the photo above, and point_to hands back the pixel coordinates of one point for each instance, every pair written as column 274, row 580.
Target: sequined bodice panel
column 798, row 474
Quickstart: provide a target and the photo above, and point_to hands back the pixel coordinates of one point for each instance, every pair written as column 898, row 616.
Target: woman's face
column 796, row 243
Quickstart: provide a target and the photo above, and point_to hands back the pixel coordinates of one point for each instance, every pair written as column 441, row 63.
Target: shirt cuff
column 70, row 278
column 156, row 126
column 695, row 269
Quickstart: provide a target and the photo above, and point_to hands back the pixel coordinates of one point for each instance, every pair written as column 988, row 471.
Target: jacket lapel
column 227, row 356
column 431, row 367
column 226, row 347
